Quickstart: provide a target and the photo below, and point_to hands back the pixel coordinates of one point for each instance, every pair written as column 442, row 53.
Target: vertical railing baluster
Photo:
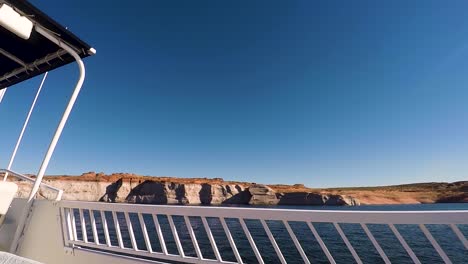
column 106, row 228
column 144, row 230
column 160, row 234
column 68, row 221
column 93, row 227
column 211, row 238
column 375, row 243
column 347, row 243
column 130, row 231
column 404, row 244
column 176, row 236
column 193, row 237
column 117, row 229
column 65, row 227
column 83, row 226
column 251, row 241
column 273, row 242
column 73, row 223
column 321, row 243
column 231, row 241
column 436, row 245
column 296, row 242
column 459, row 235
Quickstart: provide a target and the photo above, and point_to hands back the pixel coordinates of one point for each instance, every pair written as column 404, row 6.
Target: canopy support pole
column 2, row 93
column 20, row 138
column 45, row 163
column 66, row 114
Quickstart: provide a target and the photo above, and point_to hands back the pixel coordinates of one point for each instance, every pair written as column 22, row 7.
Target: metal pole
column 66, row 114
column 58, row 132
column 20, row 138
column 2, row 93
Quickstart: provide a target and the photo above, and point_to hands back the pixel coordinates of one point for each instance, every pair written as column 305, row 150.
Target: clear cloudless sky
column 326, row 93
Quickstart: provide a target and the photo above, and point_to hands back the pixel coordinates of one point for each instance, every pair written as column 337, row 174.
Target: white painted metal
column 2, row 94
column 347, row 243
column 130, row 231
column 40, row 175
column 65, row 224
column 321, row 243
column 296, row 242
column 68, row 220
column 176, row 236
column 25, row 125
column 43, row 240
column 145, row 233
column 317, row 216
column 273, row 242
column 460, row 235
column 193, row 237
column 66, row 114
column 436, row 245
column 93, row 227
column 117, row 229
column 83, row 226
column 404, row 244
column 59, row 192
column 211, row 238
column 106, row 228
column 375, row 243
column 231, row 241
column 185, row 259
column 251, row 241
column 160, row 234
column 73, row 224
column 305, row 216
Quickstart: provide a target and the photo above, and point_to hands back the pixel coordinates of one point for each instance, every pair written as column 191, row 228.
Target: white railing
column 6, row 173
column 136, row 230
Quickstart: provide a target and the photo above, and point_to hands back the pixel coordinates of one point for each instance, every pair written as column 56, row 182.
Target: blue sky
column 329, row 93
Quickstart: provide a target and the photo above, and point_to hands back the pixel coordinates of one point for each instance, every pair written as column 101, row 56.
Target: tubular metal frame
column 40, row 175
column 25, row 125
column 75, row 213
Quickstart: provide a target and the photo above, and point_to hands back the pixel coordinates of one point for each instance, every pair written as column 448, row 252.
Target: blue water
column 396, row 253
column 399, row 207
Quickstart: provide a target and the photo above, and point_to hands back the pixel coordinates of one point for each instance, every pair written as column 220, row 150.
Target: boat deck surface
column 7, row 258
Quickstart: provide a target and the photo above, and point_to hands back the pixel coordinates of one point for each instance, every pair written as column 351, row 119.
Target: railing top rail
column 29, row 179
column 338, row 216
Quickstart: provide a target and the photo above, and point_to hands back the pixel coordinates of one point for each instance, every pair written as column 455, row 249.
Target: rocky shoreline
column 167, row 192
column 132, row 188
column 151, row 192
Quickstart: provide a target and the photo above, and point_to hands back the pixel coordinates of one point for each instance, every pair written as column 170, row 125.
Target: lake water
column 412, row 234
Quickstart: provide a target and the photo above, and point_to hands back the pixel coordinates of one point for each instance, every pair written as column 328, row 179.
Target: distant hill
column 429, row 192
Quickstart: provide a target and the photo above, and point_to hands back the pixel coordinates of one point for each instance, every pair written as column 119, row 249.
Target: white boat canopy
column 24, row 51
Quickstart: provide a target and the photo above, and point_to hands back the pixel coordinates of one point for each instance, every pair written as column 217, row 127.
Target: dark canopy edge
column 40, row 18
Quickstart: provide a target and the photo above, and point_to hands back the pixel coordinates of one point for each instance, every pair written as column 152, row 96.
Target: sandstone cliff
column 201, row 192
column 131, row 188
